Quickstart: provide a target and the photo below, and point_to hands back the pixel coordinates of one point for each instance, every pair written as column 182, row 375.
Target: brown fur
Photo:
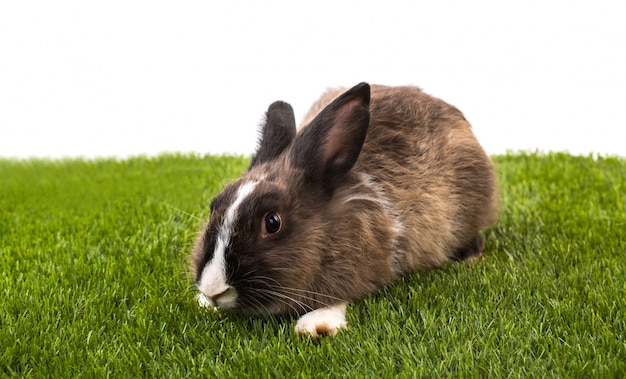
column 431, row 167
column 419, row 193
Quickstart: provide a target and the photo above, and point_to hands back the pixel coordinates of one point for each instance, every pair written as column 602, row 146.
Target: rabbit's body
column 422, row 160
column 370, row 188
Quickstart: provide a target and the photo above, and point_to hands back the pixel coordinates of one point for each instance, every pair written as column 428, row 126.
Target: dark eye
column 271, row 223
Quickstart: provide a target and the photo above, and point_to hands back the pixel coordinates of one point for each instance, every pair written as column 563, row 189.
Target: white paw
column 205, row 302
column 323, row 321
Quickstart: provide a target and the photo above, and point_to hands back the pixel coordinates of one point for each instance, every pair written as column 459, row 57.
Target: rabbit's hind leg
column 471, row 252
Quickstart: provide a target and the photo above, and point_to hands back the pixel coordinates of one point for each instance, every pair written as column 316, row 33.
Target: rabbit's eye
column 271, row 223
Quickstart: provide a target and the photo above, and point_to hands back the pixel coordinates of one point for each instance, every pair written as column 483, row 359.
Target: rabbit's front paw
column 323, row 321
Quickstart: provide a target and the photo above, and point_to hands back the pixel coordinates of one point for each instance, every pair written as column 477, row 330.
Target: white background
column 120, row 78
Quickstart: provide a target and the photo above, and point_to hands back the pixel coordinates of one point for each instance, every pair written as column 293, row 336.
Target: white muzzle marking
column 213, row 279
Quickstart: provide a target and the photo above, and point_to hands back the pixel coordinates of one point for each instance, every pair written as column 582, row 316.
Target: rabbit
column 376, row 183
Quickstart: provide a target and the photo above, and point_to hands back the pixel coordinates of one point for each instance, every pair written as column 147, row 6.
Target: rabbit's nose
column 225, row 297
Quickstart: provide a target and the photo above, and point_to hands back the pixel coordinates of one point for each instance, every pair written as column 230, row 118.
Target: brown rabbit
column 371, row 187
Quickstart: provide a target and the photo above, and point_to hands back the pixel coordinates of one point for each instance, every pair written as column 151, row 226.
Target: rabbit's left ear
column 277, row 133
column 330, row 145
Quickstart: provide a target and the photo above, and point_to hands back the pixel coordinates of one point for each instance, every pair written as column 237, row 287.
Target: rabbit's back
column 421, row 155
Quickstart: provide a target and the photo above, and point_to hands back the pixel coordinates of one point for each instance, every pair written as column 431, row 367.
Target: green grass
column 94, row 281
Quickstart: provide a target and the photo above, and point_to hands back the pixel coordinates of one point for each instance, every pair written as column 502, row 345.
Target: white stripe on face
column 213, row 279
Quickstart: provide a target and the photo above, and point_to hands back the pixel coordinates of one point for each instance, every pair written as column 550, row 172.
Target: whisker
column 289, row 293
column 181, row 211
column 285, row 298
column 265, row 290
column 297, row 290
column 258, row 306
column 305, row 307
column 314, row 299
column 277, row 296
column 256, row 278
column 265, row 295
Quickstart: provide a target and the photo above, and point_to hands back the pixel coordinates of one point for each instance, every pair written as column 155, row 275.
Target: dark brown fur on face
column 378, row 182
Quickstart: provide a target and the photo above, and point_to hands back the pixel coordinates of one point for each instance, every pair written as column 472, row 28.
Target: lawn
column 95, row 281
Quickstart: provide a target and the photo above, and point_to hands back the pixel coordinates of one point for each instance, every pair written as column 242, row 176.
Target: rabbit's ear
column 330, row 145
column 277, row 133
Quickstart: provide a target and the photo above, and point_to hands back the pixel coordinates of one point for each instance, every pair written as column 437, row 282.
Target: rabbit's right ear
column 329, row 146
column 278, row 132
